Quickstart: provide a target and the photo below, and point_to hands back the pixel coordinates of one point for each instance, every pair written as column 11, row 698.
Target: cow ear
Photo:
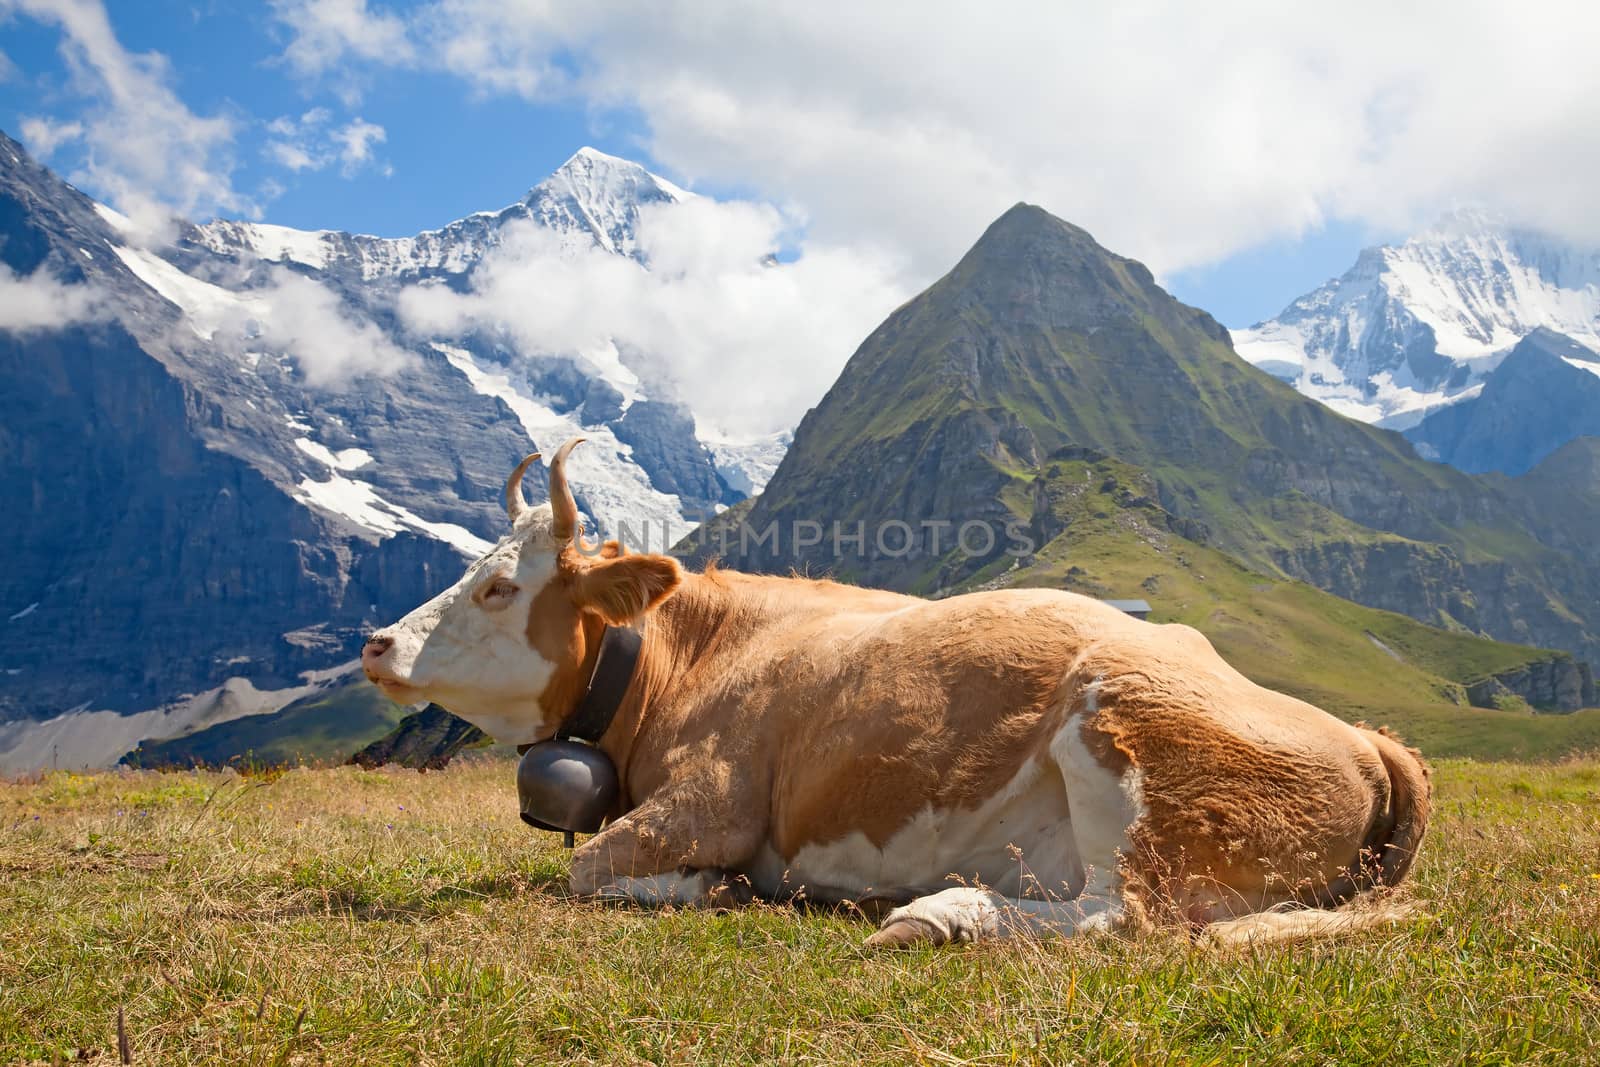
column 622, row 589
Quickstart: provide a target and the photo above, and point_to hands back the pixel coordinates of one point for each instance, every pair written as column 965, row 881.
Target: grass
column 340, row 915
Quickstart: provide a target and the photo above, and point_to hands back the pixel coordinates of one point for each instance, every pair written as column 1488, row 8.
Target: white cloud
column 44, row 135
column 1179, row 134
column 312, row 142
column 355, row 141
column 255, row 308
column 749, row 342
column 327, row 34
column 38, row 301
column 307, row 320
column 292, row 156
column 147, row 153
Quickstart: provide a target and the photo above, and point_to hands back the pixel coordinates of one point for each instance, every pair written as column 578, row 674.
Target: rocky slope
column 1559, row 684
column 1544, row 394
column 426, row 739
column 1417, row 326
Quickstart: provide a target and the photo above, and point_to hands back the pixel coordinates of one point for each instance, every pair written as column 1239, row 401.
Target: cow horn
column 516, row 503
column 564, row 508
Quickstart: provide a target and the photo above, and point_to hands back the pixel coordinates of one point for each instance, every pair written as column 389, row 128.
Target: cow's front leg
column 666, row 853
column 710, row 887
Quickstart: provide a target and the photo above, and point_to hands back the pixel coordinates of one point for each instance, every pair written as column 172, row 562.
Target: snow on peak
column 1583, row 364
column 591, row 199
column 600, row 195
column 1414, row 326
column 313, row 248
column 590, row 166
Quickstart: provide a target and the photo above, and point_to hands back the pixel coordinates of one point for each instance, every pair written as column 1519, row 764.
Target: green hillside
column 324, row 728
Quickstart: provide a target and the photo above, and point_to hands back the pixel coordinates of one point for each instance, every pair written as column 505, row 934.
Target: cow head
column 506, row 646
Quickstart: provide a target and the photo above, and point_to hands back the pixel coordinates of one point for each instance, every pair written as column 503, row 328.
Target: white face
column 468, row 648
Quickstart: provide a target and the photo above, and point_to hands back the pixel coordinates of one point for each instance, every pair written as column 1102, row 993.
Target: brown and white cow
column 1016, row 762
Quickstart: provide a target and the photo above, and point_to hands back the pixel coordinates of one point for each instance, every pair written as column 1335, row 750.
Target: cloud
column 326, row 35
column 313, row 142
column 306, row 320
column 255, row 307
column 44, row 135
column 145, row 151
column 355, row 141
column 259, row 307
column 38, row 301
column 750, row 342
column 1178, row 135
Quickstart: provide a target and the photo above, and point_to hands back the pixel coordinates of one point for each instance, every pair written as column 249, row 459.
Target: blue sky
column 448, row 150
column 1245, row 158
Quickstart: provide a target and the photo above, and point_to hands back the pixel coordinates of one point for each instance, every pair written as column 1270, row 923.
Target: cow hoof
column 875, row 907
column 905, row 933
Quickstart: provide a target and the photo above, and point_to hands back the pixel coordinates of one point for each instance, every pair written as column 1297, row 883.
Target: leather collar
column 614, row 668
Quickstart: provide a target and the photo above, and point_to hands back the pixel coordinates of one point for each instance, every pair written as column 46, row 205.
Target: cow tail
column 1410, row 800
column 1386, row 857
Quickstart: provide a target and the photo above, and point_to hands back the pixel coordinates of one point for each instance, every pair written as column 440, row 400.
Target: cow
column 998, row 764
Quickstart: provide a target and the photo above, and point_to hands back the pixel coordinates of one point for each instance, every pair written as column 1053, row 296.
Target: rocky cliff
column 426, row 739
column 1558, row 684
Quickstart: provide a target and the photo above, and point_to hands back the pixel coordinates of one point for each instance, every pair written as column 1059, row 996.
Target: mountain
column 232, row 460
column 1416, row 326
column 1013, row 381
column 593, row 199
column 1543, row 395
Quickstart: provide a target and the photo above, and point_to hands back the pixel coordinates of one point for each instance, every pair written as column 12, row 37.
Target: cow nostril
column 377, row 645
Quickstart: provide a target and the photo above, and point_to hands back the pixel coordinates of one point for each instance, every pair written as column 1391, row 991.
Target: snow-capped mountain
column 235, row 458
column 593, row 199
column 1416, row 326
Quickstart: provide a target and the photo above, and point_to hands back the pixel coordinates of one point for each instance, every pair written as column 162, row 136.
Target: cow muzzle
column 566, row 786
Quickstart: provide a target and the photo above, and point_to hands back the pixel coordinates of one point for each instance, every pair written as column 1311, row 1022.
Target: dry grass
column 346, row 916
